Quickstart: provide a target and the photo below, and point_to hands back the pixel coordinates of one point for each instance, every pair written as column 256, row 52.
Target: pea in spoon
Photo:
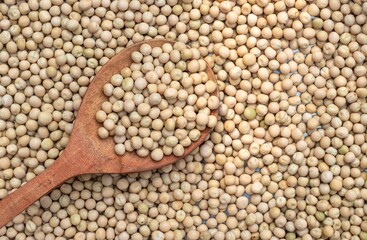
column 86, row 153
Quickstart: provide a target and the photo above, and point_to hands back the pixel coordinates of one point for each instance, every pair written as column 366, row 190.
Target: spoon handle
column 25, row 196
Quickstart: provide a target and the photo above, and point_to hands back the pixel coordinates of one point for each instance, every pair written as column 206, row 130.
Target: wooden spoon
column 86, row 153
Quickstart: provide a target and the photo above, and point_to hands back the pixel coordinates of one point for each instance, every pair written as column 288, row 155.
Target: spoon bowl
column 86, row 153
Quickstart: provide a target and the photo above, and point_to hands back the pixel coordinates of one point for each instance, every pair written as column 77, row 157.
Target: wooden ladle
column 86, row 153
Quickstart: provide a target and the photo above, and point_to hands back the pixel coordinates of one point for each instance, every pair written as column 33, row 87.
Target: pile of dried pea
column 286, row 160
column 160, row 103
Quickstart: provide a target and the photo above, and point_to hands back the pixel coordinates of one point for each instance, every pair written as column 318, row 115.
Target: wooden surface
column 86, row 153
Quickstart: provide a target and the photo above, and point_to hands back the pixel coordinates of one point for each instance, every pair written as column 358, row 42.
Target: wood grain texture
column 86, row 153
